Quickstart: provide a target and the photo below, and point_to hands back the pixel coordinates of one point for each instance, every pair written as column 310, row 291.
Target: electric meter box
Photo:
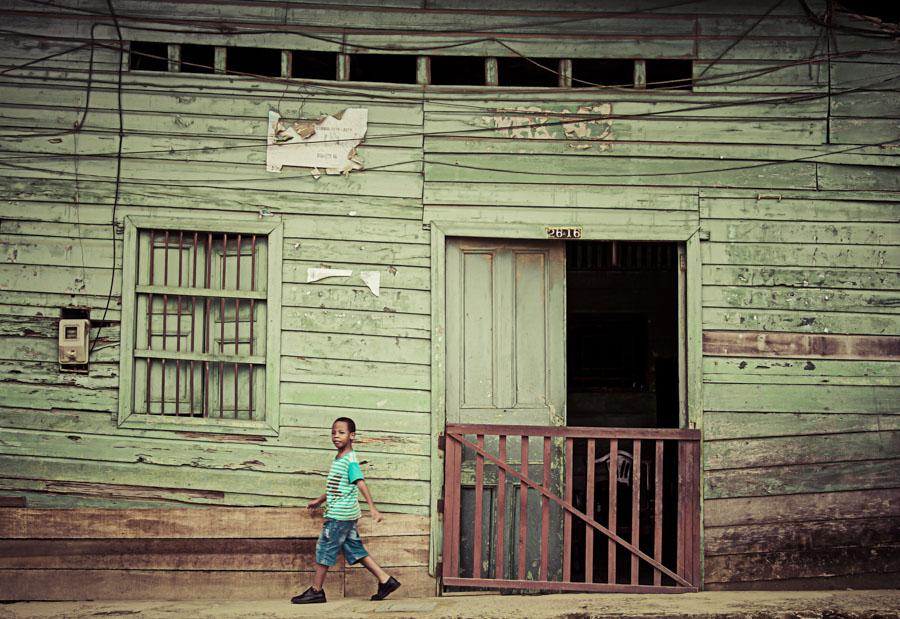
column 73, row 341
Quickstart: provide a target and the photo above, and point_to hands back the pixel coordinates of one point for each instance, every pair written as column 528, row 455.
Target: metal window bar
column 650, row 474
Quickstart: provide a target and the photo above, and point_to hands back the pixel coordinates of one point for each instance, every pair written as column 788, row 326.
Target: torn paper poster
column 325, row 144
column 314, row 274
column 372, row 279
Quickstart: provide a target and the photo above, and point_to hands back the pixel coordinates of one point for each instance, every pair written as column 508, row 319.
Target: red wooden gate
column 652, row 536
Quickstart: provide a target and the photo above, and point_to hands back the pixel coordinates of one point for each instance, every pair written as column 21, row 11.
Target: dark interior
column 395, row 68
column 524, row 72
column 622, row 366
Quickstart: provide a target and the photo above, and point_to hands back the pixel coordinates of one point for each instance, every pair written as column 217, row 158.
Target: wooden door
column 506, row 365
column 506, row 332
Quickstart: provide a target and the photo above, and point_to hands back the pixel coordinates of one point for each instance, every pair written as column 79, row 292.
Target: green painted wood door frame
column 688, row 234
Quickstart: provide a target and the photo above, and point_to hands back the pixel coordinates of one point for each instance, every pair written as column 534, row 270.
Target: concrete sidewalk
column 757, row 604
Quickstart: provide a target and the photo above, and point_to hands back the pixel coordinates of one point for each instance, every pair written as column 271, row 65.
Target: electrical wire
column 112, row 276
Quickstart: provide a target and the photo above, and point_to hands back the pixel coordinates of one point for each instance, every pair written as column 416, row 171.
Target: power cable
column 112, row 276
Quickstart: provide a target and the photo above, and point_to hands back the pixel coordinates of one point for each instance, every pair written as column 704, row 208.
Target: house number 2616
column 563, row 232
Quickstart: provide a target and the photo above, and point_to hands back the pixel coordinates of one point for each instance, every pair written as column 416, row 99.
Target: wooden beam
column 817, row 346
column 219, row 523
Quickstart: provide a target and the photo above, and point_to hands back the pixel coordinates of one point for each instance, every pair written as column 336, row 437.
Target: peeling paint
column 327, row 143
column 590, row 125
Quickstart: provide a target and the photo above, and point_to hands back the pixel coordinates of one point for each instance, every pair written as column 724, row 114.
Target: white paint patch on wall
column 589, row 124
column 325, row 144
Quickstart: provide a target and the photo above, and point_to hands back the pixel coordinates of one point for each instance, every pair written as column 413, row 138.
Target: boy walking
column 339, row 532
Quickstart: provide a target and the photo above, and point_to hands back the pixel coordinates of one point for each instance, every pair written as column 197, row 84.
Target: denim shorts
column 336, row 536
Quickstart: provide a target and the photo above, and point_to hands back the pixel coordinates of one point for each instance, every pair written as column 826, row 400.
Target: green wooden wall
column 780, row 156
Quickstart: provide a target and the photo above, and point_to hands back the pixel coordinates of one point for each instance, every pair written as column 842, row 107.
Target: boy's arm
column 315, row 503
column 373, row 511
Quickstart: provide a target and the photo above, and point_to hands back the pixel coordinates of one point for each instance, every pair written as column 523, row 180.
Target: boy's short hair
column 351, row 425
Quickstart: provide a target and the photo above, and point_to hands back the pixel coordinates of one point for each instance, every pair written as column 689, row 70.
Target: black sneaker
column 386, row 588
column 311, row 596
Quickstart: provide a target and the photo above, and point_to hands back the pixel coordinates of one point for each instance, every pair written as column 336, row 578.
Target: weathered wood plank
column 356, row 322
column 799, row 345
column 48, row 397
column 559, row 194
column 351, row 372
column 801, row 398
column 792, row 537
column 409, row 278
column 243, row 555
column 192, row 487
column 801, row 478
column 778, row 208
column 391, row 437
column 301, row 415
column 660, row 172
column 718, row 425
column 156, row 585
column 803, row 564
column 356, row 347
column 384, row 253
column 58, row 279
column 790, row 253
column 811, row 449
column 865, row 178
column 802, row 299
column 56, row 197
column 213, row 523
column 355, row 229
column 793, row 322
column 798, row 277
column 801, row 507
column 800, row 371
column 527, row 215
column 200, row 457
column 310, row 394
column 98, row 495
column 359, row 297
column 736, row 231
column 755, row 131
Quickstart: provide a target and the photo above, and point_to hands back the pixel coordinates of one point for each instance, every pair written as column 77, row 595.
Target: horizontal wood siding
column 782, row 160
column 193, row 554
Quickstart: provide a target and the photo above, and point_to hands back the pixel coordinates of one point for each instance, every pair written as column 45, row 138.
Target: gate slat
column 680, row 528
column 695, row 492
column 657, row 511
column 635, row 506
column 589, row 531
column 501, row 509
column 479, row 509
column 523, row 509
column 545, row 514
column 612, row 509
column 567, row 527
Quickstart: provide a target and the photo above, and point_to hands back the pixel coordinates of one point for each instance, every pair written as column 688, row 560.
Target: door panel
column 505, row 332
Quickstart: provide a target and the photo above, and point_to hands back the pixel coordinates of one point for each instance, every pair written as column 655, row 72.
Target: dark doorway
column 622, row 334
column 622, row 371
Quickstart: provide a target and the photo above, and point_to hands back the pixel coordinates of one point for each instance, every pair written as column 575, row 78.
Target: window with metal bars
column 200, row 325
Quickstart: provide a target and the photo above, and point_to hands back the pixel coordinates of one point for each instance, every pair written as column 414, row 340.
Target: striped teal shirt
column 341, row 493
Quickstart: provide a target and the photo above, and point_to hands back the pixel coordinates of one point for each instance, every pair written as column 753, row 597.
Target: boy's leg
column 321, row 573
column 369, row 563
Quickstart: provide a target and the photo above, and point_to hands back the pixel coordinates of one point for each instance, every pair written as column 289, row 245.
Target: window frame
column 268, row 425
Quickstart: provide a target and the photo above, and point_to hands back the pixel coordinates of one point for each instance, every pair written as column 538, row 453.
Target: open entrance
column 622, row 360
column 566, row 463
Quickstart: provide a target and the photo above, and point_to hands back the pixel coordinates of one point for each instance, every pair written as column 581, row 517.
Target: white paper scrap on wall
column 314, row 274
column 372, row 279
column 327, row 144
